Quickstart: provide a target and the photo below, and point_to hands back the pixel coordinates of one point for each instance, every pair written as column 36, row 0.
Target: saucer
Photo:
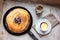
column 38, row 29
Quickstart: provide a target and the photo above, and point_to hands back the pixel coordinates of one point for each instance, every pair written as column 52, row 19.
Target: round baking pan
column 4, row 21
column 17, row 34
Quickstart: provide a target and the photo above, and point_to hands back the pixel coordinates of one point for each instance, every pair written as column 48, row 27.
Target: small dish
column 39, row 30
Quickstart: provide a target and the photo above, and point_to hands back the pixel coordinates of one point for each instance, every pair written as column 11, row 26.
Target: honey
column 44, row 26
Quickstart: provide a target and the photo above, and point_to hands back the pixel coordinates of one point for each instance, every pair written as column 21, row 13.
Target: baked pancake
column 18, row 20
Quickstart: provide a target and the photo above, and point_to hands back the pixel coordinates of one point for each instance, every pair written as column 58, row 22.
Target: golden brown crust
column 25, row 20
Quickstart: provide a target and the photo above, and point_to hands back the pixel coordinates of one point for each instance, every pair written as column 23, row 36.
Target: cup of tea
column 43, row 26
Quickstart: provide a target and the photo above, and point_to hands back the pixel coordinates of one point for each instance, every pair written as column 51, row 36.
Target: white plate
column 38, row 26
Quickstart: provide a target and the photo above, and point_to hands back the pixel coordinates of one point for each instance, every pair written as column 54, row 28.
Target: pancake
column 18, row 20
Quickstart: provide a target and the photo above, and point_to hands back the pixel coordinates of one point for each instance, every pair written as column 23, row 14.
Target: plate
column 38, row 26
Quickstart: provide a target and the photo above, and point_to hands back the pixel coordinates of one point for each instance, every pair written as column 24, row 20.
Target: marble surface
column 54, row 34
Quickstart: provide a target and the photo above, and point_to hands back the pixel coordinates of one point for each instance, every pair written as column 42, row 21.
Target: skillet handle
column 32, row 35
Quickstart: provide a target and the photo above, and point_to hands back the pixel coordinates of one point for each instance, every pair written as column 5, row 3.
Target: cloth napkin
column 54, row 21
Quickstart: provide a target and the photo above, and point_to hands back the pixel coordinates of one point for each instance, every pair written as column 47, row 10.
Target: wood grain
column 1, row 5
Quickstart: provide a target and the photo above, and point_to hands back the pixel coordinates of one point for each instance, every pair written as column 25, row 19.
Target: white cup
column 39, row 30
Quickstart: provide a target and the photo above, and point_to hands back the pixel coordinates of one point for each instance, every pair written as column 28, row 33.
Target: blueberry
column 17, row 20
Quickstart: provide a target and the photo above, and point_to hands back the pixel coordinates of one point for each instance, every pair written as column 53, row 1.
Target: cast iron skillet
column 17, row 34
